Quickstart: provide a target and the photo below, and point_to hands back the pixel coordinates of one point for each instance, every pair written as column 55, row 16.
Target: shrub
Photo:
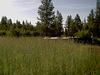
column 2, row 32
column 15, row 33
column 36, row 33
column 84, row 36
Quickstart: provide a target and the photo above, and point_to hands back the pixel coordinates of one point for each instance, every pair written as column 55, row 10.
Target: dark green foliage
column 51, row 25
column 88, row 27
column 91, row 28
column 7, row 28
column 68, row 24
column 97, row 23
column 78, row 23
column 39, row 29
column 56, row 29
column 36, row 33
column 3, row 25
column 9, row 24
column 71, row 27
column 4, row 20
column 59, row 25
column 84, row 36
column 96, row 41
column 16, row 33
column 85, row 32
column 46, row 14
column 2, row 32
column 90, row 23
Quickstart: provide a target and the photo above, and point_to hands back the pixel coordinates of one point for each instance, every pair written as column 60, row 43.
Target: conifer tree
column 46, row 13
column 59, row 25
column 78, row 23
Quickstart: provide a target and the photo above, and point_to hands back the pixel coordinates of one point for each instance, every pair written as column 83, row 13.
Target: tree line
column 50, row 23
column 8, row 28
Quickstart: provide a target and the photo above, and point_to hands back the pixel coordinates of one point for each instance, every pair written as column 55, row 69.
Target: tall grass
column 35, row 56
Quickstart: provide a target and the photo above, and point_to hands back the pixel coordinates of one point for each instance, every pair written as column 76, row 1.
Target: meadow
column 36, row 56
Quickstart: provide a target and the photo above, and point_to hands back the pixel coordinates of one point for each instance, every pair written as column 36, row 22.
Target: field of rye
column 36, row 56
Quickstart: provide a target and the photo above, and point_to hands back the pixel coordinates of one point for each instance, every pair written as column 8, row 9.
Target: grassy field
column 35, row 56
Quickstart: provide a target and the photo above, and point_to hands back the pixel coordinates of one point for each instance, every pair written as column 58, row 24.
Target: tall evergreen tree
column 4, row 23
column 90, row 22
column 97, row 21
column 59, row 25
column 46, row 13
column 67, row 25
column 18, row 24
column 9, row 24
column 70, row 26
column 23, row 23
column 78, row 22
column 4, row 20
column 9, row 21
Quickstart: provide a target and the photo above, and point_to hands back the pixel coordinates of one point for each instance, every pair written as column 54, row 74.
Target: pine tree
column 23, row 23
column 4, row 20
column 46, row 14
column 4, row 23
column 78, row 22
column 90, row 22
column 67, row 25
column 97, row 21
column 9, row 24
column 18, row 24
column 70, row 26
column 59, row 25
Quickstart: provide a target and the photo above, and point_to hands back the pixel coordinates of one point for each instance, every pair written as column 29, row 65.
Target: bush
column 2, row 33
column 15, row 33
column 96, row 41
column 27, row 33
column 36, row 33
column 84, row 36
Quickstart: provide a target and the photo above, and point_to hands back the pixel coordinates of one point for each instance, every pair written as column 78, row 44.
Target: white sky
column 19, row 9
column 27, row 9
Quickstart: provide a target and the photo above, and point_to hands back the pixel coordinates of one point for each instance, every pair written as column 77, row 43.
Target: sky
column 27, row 9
